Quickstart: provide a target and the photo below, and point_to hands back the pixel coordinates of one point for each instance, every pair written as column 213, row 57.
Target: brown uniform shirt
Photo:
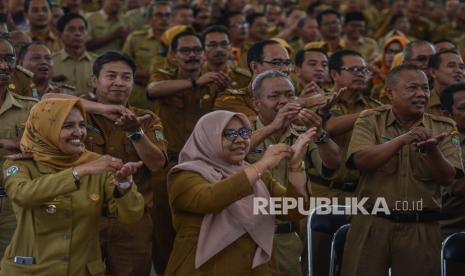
column 100, row 24
column 406, row 176
column 237, row 101
column 434, row 105
column 105, row 138
column 180, row 112
column 21, row 83
column 239, row 77
column 13, row 116
column 77, row 72
column 53, row 43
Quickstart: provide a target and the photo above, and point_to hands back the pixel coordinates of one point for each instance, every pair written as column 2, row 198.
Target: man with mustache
column 262, row 56
column 181, row 98
column 311, row 67
column 446, row 68
column 217, row 44
column 14, row 110
column 36, row 57
column 273, row 99
column 143, row 45
column 404, row 155
column 74, row 62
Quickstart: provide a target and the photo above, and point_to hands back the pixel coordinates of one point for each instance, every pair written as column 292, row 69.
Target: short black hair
column 7, row 38
column 354, row 16
column 252, row 17
column 320, row 15
column 23, row 50
column 154, row 4
column 335, row 61
column 440, row 40
column 302, row 21
column 447, row 95
column 214, row 29
column 65, row 19
column 175, row 41
column 112, row 56
column 312, row 7
column 435, row 60
column 392, row 76
column 255, row 52
column 182, row 7
column 27, row 3
column 226, row 19
column 395, row 17
column 407, row 51
column 300, row 56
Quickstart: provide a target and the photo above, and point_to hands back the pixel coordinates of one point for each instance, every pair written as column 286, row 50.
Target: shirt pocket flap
column 96, row 267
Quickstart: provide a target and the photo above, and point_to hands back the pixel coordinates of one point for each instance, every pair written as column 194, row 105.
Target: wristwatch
column 322, row 139
column 136, row 135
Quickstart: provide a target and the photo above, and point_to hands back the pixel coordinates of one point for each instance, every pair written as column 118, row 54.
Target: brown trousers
column 7, row 224
column 374, row 244
column 127, row 248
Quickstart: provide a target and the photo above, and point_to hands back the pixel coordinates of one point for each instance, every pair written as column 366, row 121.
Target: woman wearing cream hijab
column 211, row 193
column 58, row 196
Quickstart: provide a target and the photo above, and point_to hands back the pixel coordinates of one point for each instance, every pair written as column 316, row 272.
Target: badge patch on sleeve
column 159, row 135
column 11, row 170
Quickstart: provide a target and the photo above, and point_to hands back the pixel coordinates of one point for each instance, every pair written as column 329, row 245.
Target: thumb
column 143, row 118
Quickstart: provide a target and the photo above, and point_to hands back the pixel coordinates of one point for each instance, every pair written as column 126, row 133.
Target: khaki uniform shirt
column 421, row 28
column 77, row 72
column 343, row 173
column 180, row 112
column 142, row 46
column 406, row 176
column 280, row 172
column 53, row 43
column 21, row 83
column 13, row 116
column 101, row 25
column 434, row 105
column 239, row 77
column 324, row 45
column 366, row 46
column 58, row 220
column 104, row 137
column 136, row 18
column 237, row 100
column 449, row 30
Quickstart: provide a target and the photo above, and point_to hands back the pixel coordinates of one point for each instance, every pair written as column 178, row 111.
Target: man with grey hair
column 418, row 53
column 274, row 101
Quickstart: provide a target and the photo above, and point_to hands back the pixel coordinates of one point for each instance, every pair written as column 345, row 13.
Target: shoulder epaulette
column 139, row 32
column 166, row 72
column 377, row 110
column 25, row 71
column 375, row 100
column 440, row 118
column 21, row 97
column 68, row 86
column 243, row 71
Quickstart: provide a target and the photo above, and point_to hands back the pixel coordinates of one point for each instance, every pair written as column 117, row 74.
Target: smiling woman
column 58, row 196
column 211, row 194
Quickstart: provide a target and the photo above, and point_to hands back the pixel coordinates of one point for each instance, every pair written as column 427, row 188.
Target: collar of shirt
column 391, row 119
column 106, row 17
column 345, row 41
column 64, row 56
column 49, row 36
column 9, row 103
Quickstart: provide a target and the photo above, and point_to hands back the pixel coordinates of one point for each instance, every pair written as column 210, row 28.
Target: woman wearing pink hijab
column 211, row 194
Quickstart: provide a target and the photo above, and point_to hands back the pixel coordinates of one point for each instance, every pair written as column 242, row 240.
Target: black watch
column 326, row 114
column 194, row 84
column 322, row 139
column 136, row 135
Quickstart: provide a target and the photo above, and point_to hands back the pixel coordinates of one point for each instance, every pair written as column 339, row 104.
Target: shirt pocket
column 390, row 167
column 420, row 168
column 176, row 101
column 95, row 267
column 94, row 141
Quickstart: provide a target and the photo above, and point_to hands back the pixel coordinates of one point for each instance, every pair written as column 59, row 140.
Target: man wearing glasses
column 274, row 100
column 262, row 56
column 217, row 46
column 446, row 68
column 239, row 31
column 142, row 46
column 418, row 53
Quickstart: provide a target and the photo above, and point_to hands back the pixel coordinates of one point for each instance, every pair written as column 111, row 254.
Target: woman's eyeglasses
column 232, row 134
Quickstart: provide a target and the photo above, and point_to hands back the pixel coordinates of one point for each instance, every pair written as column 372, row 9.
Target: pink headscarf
column 203, row 153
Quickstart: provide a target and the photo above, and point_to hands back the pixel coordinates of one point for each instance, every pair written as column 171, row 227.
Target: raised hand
column 274, row 154
column 129, row 122
column 299, row 148
column 105, row 163
column 127, row 170
column 285, row 116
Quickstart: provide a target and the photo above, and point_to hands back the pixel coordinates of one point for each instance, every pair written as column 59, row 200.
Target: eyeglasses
column 232, row 134
column 278, row 63
column 239, row 25
column 160, row 14
column 186, row 50
column 331, row 23
column 10, row 59
column 392, row 51
column 421, row 58
column 222, row 44
column 357, row 70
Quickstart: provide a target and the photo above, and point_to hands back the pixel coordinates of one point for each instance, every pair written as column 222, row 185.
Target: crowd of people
column 136, row 134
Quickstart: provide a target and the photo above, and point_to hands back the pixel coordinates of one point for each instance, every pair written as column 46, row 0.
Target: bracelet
column 124, row 185
column 76, row 175
column 258, row 172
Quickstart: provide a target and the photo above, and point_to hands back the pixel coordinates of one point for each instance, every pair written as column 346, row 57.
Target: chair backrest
column 453, row 247
column 324, row 219
column 337, row 250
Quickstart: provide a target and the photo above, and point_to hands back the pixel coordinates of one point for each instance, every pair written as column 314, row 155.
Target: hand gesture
column 331, row 101
column 129, row 122
column 285, row 116
column 105, row 163
column 127, row 170
column 415, row 135
column 431, row 143
column 220, row 79
column 10, row 145
column 310, row 119
column 274, row 154
column 113, row 112
column 20, row 156
column 299, row 148
column 311, row 90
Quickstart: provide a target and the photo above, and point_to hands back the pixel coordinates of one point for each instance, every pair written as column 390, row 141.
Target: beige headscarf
column 203, row 153
column 42, row 134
